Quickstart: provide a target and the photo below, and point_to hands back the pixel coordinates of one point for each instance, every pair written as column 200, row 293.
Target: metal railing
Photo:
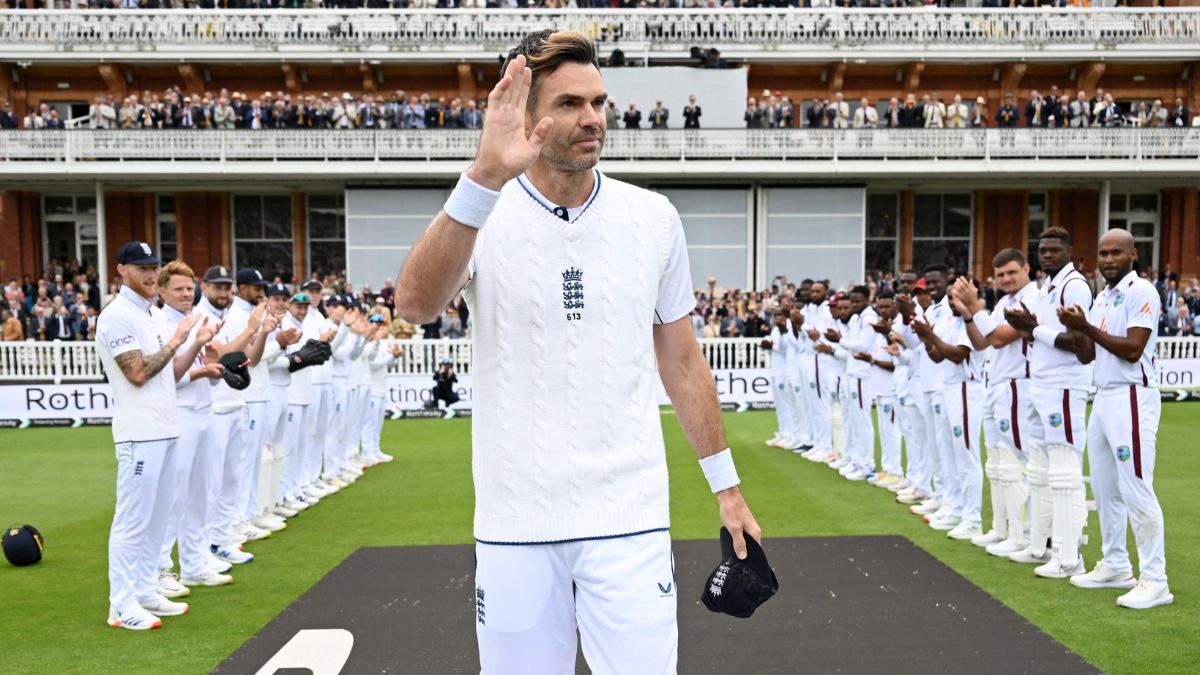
column 90, row 145
column 59, row 362
column 772, row 31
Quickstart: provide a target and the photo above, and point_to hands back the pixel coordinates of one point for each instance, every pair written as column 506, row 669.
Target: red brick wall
column 126, row 215
column 202, row 229
column 1179, row 235
column 1001, row 221
column 1078, row 212
column 21, row 234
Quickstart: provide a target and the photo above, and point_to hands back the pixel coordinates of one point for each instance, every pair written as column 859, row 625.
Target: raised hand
column 327, row 336
column 212, row 371
column 505, row 149
column 1021, row 319
column 813, row 334
column 208, row 331
column 256, row 317
column 185, row 327
column 797, row 318
column 922, row 329
column 287, row 337
column 1074, row 318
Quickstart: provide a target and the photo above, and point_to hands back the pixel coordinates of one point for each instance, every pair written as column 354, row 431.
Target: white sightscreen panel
column 382, row 226
column 672, row 85
column 714, row 223
column 816, row 233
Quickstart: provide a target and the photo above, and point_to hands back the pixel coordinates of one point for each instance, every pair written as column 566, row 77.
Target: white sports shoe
column 233, row 555
column 329, row 488
column 1103, row 576
column 209, row 578
column 927, row 507
column 903, row 485
column 818, row 455
column 348, row 478
column 1027, row 556
column 337, row 482
column 264, row 522
column 964, row 531
column 451, row 413
column 1147, row 594
column 354, row 468
column 1055, row 569
column 310, row 497
column 320, row 489
column 783, row 441
column 773, row 440
column 169, row 586
column 295, row 505
column 944, row 523
column 136, row 618
column 1004, row 549
column 985, row 540
column 913, row 498
column 161, row 606
column 239, row 538
column 857, row 474
column 252, row 533
column 218, row 565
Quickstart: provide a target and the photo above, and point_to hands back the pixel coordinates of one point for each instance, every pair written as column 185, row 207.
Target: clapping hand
column 1074, row 318
column 1021, row 319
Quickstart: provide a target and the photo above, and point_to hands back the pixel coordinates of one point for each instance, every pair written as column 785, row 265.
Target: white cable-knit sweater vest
column 567, row 441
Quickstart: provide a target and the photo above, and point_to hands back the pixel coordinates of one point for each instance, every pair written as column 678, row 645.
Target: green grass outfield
column 61, row 480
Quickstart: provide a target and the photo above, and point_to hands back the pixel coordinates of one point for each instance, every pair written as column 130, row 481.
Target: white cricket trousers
column 189, row 482
column 782, row 393
column 226, row 492
column 860, row 439
column 821, row 412
column 619, row 593
column 913, row 419
column 272, row 493
column 320, row 419
column 809, row 404
column 372, row 427
column 887, row 425
column 144, row 497
column 1121, row 452
column 255, row 424
column 335, row 436
column 965, row 403
column 295, row 436
column 358, row 417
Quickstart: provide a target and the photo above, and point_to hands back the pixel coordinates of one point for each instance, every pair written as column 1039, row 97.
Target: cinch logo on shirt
column 113, row 344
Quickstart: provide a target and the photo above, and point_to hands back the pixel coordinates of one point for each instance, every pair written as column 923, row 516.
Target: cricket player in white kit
column 818, row 317
column 576, row 283
column 1058, row 390
column 782, row 345
column 137, row 356
column 1009, row 421
column 854, row 349
column 1119, row 335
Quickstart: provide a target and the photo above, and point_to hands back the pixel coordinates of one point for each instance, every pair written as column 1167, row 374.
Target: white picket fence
column 59, row 362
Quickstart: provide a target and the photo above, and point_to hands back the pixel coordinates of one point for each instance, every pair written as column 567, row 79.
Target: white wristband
column 1045, row 334
column 984, row 322
column 719, row 471
column 470, row 203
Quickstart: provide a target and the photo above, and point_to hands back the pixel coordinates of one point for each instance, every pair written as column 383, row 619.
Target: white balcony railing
column 767, row 34
column 77, row 361
column 18, row 147
column 59, row 362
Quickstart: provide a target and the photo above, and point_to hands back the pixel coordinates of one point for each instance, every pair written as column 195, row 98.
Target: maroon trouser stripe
column 966, row 427
column 1137, row 432
column 817, row 361
column 1016, row 428
column 860, row 405
column 1067, row 414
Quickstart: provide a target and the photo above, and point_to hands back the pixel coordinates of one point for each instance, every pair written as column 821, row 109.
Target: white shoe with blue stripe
column 136, row 618
column 232, row 555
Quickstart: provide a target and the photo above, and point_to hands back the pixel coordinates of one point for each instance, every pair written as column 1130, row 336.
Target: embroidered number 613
column 574, row 316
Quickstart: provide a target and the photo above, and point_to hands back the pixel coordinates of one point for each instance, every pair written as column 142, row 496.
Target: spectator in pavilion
column 1180, row 116
column 659, row 116
column 1008, row 116
column 958, row 115
column 633, row 117
column 691, row 114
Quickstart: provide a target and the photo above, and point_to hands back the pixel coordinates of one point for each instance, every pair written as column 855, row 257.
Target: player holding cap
column 273, row 498
column 1120, row 337
column 137, row 353
column 576, row 282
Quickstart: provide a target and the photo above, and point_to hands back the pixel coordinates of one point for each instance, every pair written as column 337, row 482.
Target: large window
column 715, row 226
column 69, row 229
column 168, row 248
column 262, row 234
column 1138, row 213
column 942, row 231
column 883, row 228
column 326, row 234
column 1038, row 220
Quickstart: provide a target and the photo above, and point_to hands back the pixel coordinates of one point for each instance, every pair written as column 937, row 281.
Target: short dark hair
column 909, row 271
column 861, row 290
column 822, row 282
column 546, row 50
column 937, row 267
column 1008, row 255
column 1056, row 233
column 805, row 281
column 885, row 294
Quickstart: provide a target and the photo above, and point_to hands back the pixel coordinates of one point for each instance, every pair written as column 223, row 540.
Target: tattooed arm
column 140, row 369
